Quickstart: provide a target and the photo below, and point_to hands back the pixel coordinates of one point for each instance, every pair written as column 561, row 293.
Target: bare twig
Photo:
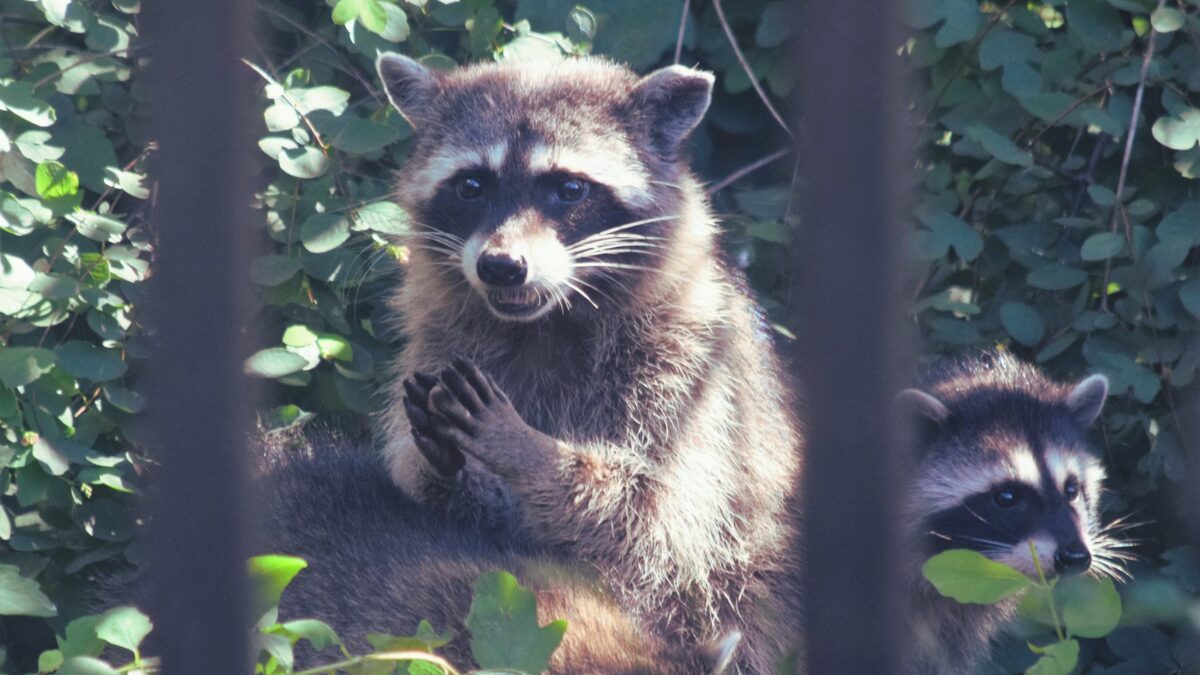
column 967, row 57
column 83, row 61
column 293, row 103
column 748, row 169
column 737, row 51
column 347, row 67
column 1062, row 116
column 687, row 4
column 1133, row 118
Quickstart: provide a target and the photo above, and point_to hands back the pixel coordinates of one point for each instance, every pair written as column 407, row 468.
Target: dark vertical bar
column 852, row 344
column 200, row 415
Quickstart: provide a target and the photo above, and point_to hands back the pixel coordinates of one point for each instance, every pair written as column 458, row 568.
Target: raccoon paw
column 445, row 457
column 479, row 418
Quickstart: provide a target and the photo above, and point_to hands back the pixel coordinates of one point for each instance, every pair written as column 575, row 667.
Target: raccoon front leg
column 565, row 490
column 446, row 459
column 469, row 413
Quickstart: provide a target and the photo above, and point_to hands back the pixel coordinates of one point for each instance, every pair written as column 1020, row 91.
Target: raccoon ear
column 673, row 99
column 409, row 85
column 923, row 404
column 1087, row 399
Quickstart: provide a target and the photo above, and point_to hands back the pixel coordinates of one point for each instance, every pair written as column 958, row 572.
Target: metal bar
column 852, row 347
column 201, row 417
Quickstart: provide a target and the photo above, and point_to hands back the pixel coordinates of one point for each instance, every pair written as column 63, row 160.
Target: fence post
column 852, row 348
column 201, row 411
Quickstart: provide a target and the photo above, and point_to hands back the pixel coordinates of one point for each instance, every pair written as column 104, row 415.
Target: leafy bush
column 1044, row 226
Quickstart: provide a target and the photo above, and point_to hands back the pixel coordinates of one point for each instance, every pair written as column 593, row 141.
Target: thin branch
column 83, row 61
column 1133, row 118
column 737, row 51
column 687, row 4
column 748, row 169
column 1070, row 109
column 347, row 67
column 967, row 58
column 295, row 105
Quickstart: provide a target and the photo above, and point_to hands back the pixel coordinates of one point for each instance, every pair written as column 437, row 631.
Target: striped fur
column 1005, row 462
column 666, row 450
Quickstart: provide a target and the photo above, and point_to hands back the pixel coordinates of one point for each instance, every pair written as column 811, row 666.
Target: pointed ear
column 1087, row 399
column 410, row 86
column 927, row 413
column 673, row 99
column 925, row 405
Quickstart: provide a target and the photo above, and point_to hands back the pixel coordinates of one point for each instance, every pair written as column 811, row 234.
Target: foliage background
column 1043, row 224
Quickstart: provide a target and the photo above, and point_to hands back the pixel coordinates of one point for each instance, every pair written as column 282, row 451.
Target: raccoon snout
column 501, row 270
column 1072, row 559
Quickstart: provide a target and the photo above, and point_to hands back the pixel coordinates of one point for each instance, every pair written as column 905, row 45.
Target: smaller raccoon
column 379, row 562
column 1005, row 461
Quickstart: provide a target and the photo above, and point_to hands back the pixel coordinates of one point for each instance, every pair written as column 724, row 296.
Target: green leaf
column 124, row 627
column 970, row 577
column 1023, row 323
column 368, row 12
column 1167, row 19
column 55, row 180
column 335, row 347
column 1094, row 25
column 80, row 638
column 272, row 270
column 504, row 626
column 298, row 335
column 1091, row 607
column 1189, row 295
column 999, row 146
column 286, row 417
column 1102, row 246
column 49, row 661
column 1180, row 132
column 426, row 639
column 303, row 162
column 382, row 217
column 359, row 137
column 22, row 597
column 275, row 362
column 947, row 231
column 269, row 576
column 91, row 362
column 1059, row 658
column 124, row 399
column 19, row 99
column 1055, row 277
column 21, row 365
column 97, row 227
column 325, row 231
column 774, row 27
column 319, row 633
column 86, row 665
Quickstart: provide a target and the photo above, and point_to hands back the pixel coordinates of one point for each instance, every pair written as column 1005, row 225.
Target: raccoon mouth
column 520, row 302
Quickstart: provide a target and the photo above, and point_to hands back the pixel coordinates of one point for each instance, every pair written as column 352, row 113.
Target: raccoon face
column 544, row 186
column 1003, row 469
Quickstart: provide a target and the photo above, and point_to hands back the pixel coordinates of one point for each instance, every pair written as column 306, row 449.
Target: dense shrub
column 1043, row 225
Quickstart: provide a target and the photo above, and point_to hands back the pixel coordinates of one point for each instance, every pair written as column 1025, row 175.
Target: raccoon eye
column 468, row 188
column 1005, row 499
column 572, row 190
column 1071, row 489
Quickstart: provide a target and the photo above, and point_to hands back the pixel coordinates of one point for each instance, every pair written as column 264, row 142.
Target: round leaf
column 1102, row 246
column 275, row 362
column 1023, row 323
column 90, row 362
column 22, row 597
column 325, row 231
column 303, row 162
column 1091, row 607
column 124, row 627
column 21, row 365
column 970, row 577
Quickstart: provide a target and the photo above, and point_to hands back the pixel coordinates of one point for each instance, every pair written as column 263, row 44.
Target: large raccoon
column 379, row 562
column 581, row 365
column 1005, row 462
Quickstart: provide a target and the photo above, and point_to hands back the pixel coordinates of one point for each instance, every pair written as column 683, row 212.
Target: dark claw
column 454, row 412
column 417, row 418
column 465, row 393
column 419, row 396
column 426, row 381
column 476, row 378
column 446, row 460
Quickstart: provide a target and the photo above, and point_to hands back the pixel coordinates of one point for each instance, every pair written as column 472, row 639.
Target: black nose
column 501, row 270
column 1072, row 559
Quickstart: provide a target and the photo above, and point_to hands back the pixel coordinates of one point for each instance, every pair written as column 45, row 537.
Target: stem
column 737, row 51
column 682, row 29
column 382, row 656
column 1037, row 563
column 748, row 169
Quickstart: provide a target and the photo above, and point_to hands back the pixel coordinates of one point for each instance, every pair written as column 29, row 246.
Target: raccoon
column 581, row 364
column 1005, row 462
column 379, row 562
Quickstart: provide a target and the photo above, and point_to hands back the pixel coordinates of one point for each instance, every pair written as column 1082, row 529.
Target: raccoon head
column 1006, row 463
column 543, row 186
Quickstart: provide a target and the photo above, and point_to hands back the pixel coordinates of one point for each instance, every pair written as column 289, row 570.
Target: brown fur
column 651, row 436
